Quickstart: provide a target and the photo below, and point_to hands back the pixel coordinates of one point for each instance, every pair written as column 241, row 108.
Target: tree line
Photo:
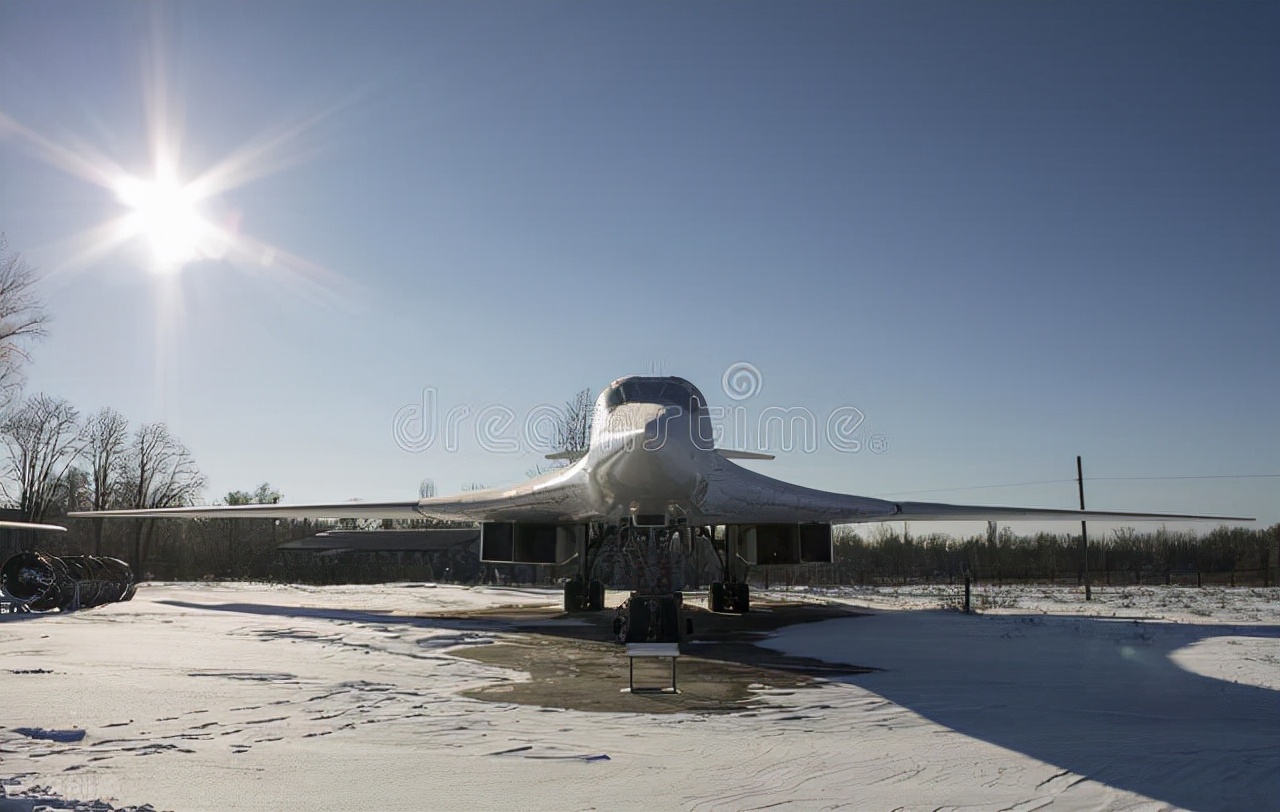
column 888, row 555
column 879, row 555
column 59, row 461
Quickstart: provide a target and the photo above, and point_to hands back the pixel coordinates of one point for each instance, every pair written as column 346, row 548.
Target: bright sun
column 175, row 218
column 166, row 214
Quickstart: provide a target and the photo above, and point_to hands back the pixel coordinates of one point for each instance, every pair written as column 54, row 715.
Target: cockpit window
column 655, row 390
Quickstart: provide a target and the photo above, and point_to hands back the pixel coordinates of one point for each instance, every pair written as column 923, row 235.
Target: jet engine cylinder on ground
column 44, row 582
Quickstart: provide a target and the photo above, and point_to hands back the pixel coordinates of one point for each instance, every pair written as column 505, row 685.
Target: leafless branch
column 22, row 318
column 43, row 437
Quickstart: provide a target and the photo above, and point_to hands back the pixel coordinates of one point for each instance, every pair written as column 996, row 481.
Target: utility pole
column 1084, row 533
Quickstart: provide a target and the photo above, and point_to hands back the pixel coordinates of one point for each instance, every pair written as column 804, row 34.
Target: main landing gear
column 654, row 612
column 582, row 593
column 731, row 594
column 583, row 596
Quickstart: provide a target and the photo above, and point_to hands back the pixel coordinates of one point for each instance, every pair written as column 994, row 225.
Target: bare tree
column 22, row 319
column 43, row 437
column 71, row 494
column 573, row 433
column 573, row 430
column 106, row 445
column 161, row 473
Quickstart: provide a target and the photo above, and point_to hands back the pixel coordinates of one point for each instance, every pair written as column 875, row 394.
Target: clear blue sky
column 1008, row 233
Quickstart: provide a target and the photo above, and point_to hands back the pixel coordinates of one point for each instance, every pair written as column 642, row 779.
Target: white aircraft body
column 651, row 468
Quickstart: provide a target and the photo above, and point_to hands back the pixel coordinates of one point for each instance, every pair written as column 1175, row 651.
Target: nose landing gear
column 732, row 597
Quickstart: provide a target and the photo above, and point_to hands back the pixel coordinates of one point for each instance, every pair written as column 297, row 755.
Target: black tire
column 653, row 619
column 715, row 600
column 573, row 595
column 744, row 598
column 595, row 596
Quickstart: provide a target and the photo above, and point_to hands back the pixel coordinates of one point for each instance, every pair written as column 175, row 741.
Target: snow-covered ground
column 267, row 697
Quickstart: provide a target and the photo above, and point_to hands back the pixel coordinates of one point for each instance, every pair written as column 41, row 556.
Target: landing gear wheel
column 652, row 619
column 574, row 595
column 734, row 598
column 595, row 596
column 715, row 600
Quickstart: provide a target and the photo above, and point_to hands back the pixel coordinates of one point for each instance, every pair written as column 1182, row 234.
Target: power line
column 1087, row 479
column 980, row 487
column 1212, row 476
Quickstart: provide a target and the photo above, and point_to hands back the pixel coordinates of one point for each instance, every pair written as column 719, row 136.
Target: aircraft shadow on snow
column 1105, row 702
column 727, row 638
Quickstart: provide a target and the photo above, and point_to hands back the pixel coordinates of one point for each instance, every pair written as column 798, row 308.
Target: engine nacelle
column 529, row 542
column 44, row 582
column 765, row 545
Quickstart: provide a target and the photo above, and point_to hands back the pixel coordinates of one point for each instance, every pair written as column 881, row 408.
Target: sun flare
column 177, row 218
column 166, row 214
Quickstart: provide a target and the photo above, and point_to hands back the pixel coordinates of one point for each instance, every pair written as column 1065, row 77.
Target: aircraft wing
column 330, row 510
column 735, row 495
column 558, row 495
column 48, row 528
column 483, row 505
column 941, row 512
column 738, row 495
